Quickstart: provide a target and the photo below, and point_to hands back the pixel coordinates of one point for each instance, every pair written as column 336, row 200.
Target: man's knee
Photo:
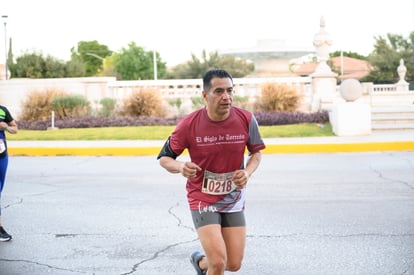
column 235, row 266
column 217, row 263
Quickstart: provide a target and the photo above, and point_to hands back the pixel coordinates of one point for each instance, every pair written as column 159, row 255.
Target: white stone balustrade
column 14, row 91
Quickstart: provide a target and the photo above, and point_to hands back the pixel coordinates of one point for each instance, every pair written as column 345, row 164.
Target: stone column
column 323, row 79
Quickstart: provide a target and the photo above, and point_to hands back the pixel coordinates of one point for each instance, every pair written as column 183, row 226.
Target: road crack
column 166, row 248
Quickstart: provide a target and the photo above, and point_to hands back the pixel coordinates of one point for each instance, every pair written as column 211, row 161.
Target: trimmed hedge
column 284, row 118
column 263, row 118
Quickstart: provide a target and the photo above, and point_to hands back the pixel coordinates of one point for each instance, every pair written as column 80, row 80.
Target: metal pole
column 53, row 119
column 5, row 44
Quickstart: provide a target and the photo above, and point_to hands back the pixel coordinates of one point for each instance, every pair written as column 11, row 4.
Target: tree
column 195, row 68
column 75, row 68
column 109, row 66
column 237, row 67
column 53, row 68
column 29, row 65
column 92, row 54
column 388, row 51
column 10, row 58
column 134, row 63
column 35, row 65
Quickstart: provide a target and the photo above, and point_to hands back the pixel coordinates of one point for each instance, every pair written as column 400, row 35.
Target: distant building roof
column 269, row 48
column 352, row 67
column 271, row 57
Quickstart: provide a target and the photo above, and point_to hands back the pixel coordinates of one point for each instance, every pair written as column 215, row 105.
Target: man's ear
column 204, row 94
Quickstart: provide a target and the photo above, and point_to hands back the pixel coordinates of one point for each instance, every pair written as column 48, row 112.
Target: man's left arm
column 241, row 177
column 253, row 162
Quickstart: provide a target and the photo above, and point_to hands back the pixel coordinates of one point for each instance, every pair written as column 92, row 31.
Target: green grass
column 159, row 132
column 297, row 130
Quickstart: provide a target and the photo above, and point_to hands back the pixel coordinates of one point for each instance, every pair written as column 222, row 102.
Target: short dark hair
column 213, row 73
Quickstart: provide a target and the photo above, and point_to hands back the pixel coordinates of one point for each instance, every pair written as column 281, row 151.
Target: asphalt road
column 335, row 213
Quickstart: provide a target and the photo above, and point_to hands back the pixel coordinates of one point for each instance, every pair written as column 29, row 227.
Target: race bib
column 217, row 184
column 2, row 146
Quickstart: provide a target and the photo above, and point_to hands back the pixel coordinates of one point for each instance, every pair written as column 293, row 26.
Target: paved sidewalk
column 377, row 141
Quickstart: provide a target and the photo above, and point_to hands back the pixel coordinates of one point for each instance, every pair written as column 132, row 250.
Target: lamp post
column 96, row 56
column 5, row 44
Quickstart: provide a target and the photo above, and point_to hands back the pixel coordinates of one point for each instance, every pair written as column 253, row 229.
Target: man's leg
column 223, row 238
column 235, row 241
column 214, row 247
column 4, row 236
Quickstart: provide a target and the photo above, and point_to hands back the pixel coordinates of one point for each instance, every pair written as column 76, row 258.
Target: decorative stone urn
column 323, row 79
column 402, row 85
column 322, row 42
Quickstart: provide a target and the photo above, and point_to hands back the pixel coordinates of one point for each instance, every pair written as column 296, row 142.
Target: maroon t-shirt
column 218, row 147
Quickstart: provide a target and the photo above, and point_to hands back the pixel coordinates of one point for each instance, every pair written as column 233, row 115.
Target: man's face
column 219, row 98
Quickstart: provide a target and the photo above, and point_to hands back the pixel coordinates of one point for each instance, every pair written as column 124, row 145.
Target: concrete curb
column 281, row 148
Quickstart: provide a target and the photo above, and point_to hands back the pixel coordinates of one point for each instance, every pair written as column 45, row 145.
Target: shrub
column 279, row 97
column 263, row 118
column 283, row 118
column 241, row 101
column 98, row 121
column 175, row 102
column 143, row 102
column 71, row 106
column 197, row 101
column 108, row 106
column 38, row 104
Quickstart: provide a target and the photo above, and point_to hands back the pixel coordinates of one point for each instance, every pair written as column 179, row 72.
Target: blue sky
column 178, row 28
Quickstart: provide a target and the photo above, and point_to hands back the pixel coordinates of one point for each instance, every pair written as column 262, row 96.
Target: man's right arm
column 188, row 169
column 171, row 165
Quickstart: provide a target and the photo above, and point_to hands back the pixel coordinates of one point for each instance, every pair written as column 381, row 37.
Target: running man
column 216, row 137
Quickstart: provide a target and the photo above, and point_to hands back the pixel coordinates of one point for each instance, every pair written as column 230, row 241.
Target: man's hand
column 189, row 169
column 240, row 178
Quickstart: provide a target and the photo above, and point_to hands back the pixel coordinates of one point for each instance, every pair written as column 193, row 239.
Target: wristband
column 8, row 128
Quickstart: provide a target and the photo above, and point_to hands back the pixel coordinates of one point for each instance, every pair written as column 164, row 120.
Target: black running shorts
column 234, row 219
